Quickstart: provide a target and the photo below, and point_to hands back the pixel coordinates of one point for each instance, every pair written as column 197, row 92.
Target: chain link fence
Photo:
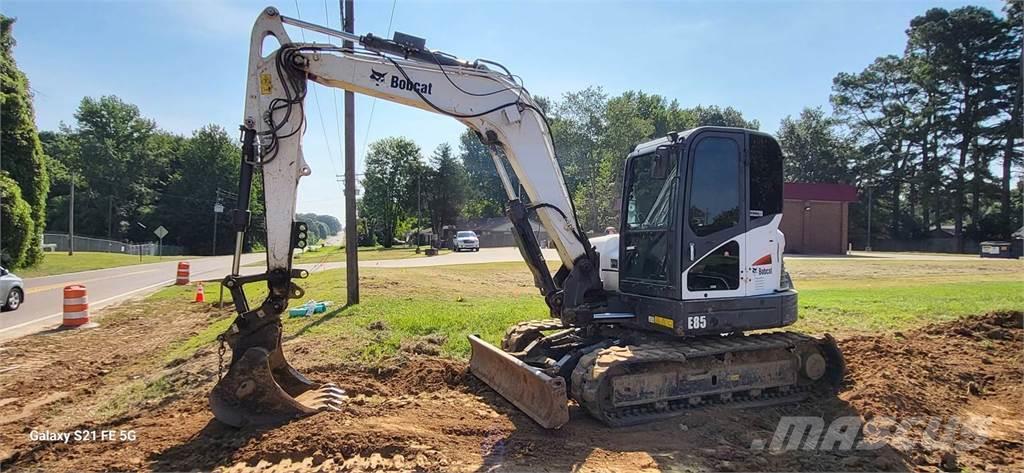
column 62, row 242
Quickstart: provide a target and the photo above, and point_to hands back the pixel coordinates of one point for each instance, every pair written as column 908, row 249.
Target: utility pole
column 110, row 217
column 419, row 209
column 217, row 209
column 351, row 235
column 71, row 219
column 593, row 195
column 867, row 247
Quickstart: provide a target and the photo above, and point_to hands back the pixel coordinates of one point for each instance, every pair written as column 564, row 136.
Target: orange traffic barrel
column 76, row 306
column 182, row 274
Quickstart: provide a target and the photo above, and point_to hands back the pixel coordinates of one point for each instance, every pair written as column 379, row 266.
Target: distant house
column 1018, row 242
column 815, row 217
column 425, row 235
column 497, row 231
column 944, row 231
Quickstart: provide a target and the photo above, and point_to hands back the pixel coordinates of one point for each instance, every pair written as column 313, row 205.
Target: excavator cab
column 700, row 250
column 697, row 262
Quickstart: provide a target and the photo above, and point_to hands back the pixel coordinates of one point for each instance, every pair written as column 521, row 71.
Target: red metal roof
column 819, row 191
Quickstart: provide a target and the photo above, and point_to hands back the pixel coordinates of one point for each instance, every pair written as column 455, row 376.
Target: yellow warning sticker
column 659, row 320
column 266, row 86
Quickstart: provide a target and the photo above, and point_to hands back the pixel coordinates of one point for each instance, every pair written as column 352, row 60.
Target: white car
column 466, row 240
column 12, row 290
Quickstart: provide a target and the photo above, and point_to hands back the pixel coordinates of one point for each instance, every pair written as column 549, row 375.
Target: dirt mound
column 423, row 345
column 936, row 369
column 964, row 373
column 994, row 326
column 421, row 413
column 421, row 374
column 405, row 375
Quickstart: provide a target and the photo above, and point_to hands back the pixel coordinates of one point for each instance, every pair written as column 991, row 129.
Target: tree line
column 130, row 177
column 934, row 132
column 592, row 132
column 932, row 135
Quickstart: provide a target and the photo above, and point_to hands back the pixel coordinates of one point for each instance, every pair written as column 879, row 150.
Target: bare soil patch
column 424, row 413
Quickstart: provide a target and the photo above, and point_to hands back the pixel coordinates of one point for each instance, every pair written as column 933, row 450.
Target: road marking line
column 61, row 314
column 171, row 261
column 69, row 283
column 34, row 290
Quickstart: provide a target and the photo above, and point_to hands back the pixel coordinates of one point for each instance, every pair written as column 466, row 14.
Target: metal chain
column 220, row 357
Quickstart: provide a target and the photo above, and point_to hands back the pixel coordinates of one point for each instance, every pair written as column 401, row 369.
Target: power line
column 334, row 94
column 373, row 104
column 316, row 98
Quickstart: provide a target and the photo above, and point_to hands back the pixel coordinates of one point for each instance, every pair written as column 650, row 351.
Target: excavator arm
column 491, row 103
column 261, row 386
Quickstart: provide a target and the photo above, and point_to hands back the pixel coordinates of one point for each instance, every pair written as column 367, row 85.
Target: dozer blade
column 262, row 388
column 540, row 396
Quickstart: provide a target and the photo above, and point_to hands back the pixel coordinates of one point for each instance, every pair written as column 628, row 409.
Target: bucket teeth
column 324, row 398
column 262, row 388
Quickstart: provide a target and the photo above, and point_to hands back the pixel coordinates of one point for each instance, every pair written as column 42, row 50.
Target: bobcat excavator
column 645, row 324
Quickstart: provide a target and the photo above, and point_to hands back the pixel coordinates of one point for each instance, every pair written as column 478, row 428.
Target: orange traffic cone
column 200, row 297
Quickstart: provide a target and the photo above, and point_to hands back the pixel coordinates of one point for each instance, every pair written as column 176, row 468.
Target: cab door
column 715, row 212
column 649, row 241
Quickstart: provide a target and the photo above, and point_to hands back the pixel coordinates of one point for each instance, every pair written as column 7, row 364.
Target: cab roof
column 681, row 136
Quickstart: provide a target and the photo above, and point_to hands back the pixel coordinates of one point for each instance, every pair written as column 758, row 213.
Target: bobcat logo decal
column 378, row 76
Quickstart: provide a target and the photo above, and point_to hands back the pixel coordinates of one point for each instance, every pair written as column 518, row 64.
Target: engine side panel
column 763, row 257
column 712, row 316
column 608, row 247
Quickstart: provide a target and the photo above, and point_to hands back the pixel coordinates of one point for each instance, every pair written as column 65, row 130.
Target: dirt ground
column 425, row 413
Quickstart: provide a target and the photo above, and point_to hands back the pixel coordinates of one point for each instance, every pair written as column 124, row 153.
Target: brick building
column 815, row 217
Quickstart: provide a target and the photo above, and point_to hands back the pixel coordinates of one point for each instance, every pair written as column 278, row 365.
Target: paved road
column 44, row 297
column 511, row 254
column 886, row 255
column 485, row 255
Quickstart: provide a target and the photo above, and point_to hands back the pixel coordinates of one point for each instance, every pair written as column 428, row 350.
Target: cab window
column 650, row 198
column 650, row 207
column 765, row 176
column 715, row 193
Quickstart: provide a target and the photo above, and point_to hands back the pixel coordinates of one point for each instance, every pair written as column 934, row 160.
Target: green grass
column 330, row 254
column 449, row 302
column 61, row 263
column 844, row 309
column 135, row 393
column 406, row 319
column 207, row 336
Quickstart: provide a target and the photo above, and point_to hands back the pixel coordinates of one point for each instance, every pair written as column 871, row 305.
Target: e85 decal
column 697, row 322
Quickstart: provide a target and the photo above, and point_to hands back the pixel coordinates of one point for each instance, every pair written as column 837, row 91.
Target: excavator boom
column 260, row 385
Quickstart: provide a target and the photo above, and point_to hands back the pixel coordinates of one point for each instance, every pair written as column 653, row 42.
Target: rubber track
column 521, row 329
column 588, row 375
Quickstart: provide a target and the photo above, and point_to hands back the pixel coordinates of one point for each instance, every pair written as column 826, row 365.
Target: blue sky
column 183, row 62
